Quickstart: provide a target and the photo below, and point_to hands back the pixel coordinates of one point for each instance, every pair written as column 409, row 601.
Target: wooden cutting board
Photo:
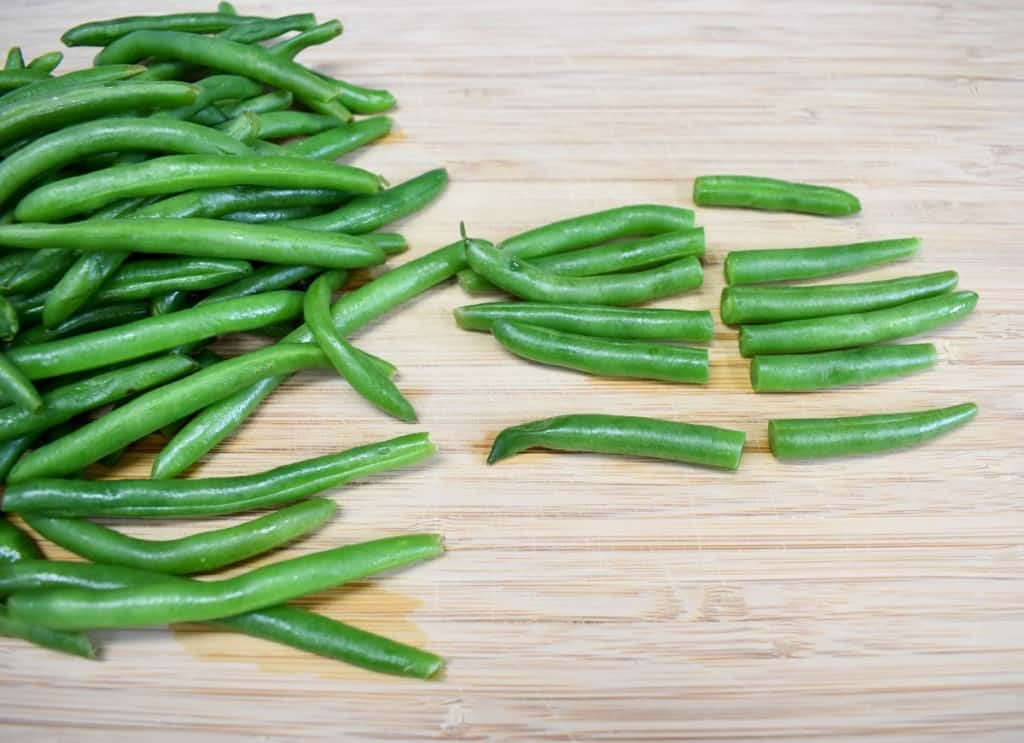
column 594, row 598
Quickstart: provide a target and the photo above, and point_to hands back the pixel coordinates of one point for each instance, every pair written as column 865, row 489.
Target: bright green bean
column 787, row 264
column 276, row 100
column 15, row 60
column 15, row 544
column 40, row 271
column 15, row 386
column 11, row 80
column 71, row 643
column 216, row 202
column 101, row 33
column 9, row 324
column 94, row 318
column 145, row 279
column 267, row 28
column 172, row 301
column 264, row 216
column 265, row 279
column 815, row 371
column 336, row 142
column 46, row 63
column 11, row 451
column 751, row 192
column 290, row 48
column 212, row 89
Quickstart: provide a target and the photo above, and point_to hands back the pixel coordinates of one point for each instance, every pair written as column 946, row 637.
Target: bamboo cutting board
column 595, row 598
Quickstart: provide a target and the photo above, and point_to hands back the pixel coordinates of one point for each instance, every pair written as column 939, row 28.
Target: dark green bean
column 212, row 89
column 813, row 438
column 9, row 324
column 336, row 142
column 101, row 33
column 263, row 216
column 11, row 451
column 267, row 28
column 287, row 124
column 200, row 237
column 46, row 63
column 40, row 271
column 28, row 306
column 758, row 304
column 290, row 48
column 751, row 192
column 522, row 279
column 859, row 329
column 216, row 202
column 63, row 642
column 604, row 356
column 172, row 301
column 816, row 371
column 94, row 318
column 197, row 553
column 47, row 86
column 15, row 544
column 145, row 279
column 787, row 264
column 593, row 320
column 40, row 114
column 620, row 434
column 17, row 387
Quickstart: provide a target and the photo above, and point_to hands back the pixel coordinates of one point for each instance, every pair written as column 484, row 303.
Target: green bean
column 290, row 48
column 621, row 434
column 588, row 230
column 101, row 33
column 11, row 451
column 71, row 144
column 815, row 438
column 362, row 100
column 71, row 643
column 66, row 402
column 354, row 310
column 40, row 114
column 46, row 63
column 263, row 216
column 47, row 86
column 858, row 329
column 16, row 545
column 28, row 306
column 175, row 173
column 172, row 301
column 150, row 278
column 197, row 553
column 362, row 375
column 265, row 279
column 815, row 371
column 276, row 100
column 9, row 324
column 284, row 624
column 40, row 271
column 759, row 304
column 211, row 90
column 286, row 124
column 336, row 142
column 229, row 56
column 199, row 237
column 15, row 60
column 604, row 356
column 368, row 213
column 244, row 128
column 17, row 387
column 524, row 280
column 216, row 202
column 786, row 264
column 593, row 320
column 262, row 29
column 751, row 192
column 12, row 263
column 15, row 79
column 94, row 318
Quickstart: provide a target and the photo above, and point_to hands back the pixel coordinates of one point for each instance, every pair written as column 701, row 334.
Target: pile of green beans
column 214, row 150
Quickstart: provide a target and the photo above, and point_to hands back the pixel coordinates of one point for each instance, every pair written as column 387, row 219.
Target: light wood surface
column 594, row 598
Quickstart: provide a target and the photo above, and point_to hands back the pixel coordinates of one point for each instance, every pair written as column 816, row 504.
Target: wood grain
column 590, row 598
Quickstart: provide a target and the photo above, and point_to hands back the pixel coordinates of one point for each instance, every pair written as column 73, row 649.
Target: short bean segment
column 759, row 304
column 858, row 329
column 752, row 192
column 604, row 356
column 145, row 279
column 815, row 371
column 788, row 264
column 694, row 326
column 629, row 435
column 813, row 438
column 524, row 280
column 197, row 553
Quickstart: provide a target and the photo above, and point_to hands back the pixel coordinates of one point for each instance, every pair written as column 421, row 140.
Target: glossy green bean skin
column 229, row 56
column 320, row 34
column 166, row 602
column 368, row 213
column 40, row 271
column 153, row 335
column 16, row 387
column 209, row 238
column 216, row 202
column 176, row 173
column 593, row 320
column 94, row 318
column 90, row 76
column 11, row 451
column 285, row 124
column 336, row 142
column 621, row 434
column 101, row 33
column 358, row 371
column 15, row 544
column 759, row 304
column 789, row 264
column 146, row 279
column 604, row 357
column 859, row 329
column 524, row 280
column 66, row 402
column 816, row 371
column 816, row 438
column 196, row 553
column 276, row 100
column 267, row 28
column 9, row 324
column 751, row 192
column 40, row 114
column 284, row 624
column 265, row 216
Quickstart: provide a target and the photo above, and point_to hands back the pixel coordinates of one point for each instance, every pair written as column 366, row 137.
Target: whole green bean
column 263, row 216
column 391, row 243
column 290, row 48
column 17, row 387
column 47, row 86
column 145, row 279
column 813, row 438
column 284, row 624
column 593, row 320
column 276, row 100
column 262, row 29
column 216, row 202
column 286, row 124
column 175, row 173
column 15, row 544
column 362, row 375
column 172, row 301
column 336, row 142
column 621, row 434
column 604, row 356
column 787, row 264
column 859, row 329
column 94, row 318
column 751, row 192
column 816, row 371
column 197, row 553
column 101, row 33
column 71, row 643
column 758, row 304
column 199, row 237
column 40, row 114
column 524, row 280
column 9, row 324
column 153, row 335
column 46, row 63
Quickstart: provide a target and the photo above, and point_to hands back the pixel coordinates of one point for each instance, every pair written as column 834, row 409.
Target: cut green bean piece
column 789, row 264
column 816, row 371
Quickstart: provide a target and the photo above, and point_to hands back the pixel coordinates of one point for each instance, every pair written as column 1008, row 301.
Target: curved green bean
column 15, row 60
column 751, row 192
column 336, row 142
column 787, row 264
column 593, row 320
column 275, row 100
column 813, row 438
column 46, row 63
column 15, row 386
column 101, row 33
column 604, row 356
column 145, row 279
column 859, row 329
column 621, row 434
column 213, row 89
column 40, row 271
column 815, row 371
